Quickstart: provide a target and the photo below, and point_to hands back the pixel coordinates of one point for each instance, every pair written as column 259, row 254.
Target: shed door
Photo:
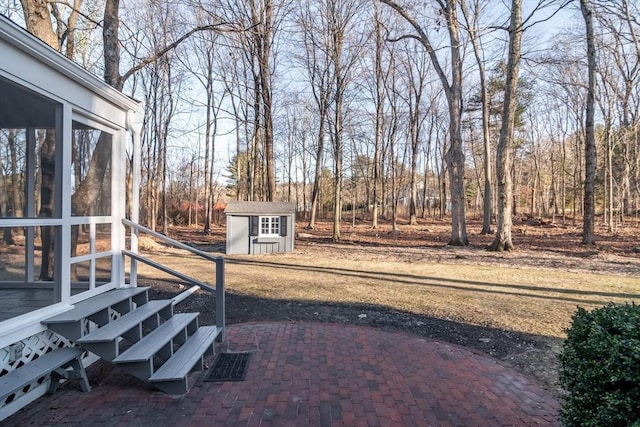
column 238, row 235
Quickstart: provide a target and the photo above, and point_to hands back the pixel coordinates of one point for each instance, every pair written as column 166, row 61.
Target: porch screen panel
column 28, row 153
column 30, row 202
column 91, row 171
column 90, row 255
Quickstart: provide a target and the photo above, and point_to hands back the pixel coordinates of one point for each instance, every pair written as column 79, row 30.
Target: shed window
column 269, row 226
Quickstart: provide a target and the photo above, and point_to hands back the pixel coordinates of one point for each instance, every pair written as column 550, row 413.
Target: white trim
column 135, row 125
column 29, row 222
column 28, row 324
column 65, row 255
column 91, row 220
column 91, row 256
column 272, row 219
column 90, row 119
column 118, row 205
column 92, row 261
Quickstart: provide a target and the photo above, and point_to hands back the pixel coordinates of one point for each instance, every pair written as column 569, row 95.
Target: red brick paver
column 316, row 374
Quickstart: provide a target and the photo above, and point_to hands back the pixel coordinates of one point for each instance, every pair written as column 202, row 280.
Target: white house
column 65, row 297
column 55, row 120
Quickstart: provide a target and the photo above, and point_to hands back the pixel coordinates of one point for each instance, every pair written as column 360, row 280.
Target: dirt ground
column 513, row 306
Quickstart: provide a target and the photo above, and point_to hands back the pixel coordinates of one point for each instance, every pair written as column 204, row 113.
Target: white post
column 118, row 206
column 63, row 183
column 30, row 211
column 134, row 124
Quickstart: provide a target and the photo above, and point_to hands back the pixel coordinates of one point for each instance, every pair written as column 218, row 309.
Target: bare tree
column 454, row 155
column 316, row 61
column 588, row 237
column 379, row 124
column 262, row 19
column 203, row 70
column 415, row 71
column 622, row 44
column 471, row 16
column 503, row 240
column 344, row 57
column 605, row 103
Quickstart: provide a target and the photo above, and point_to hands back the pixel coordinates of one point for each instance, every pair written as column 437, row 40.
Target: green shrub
column 600, row 367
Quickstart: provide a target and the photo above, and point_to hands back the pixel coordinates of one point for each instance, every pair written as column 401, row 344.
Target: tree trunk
column 16, row 198
column 315, row 191
column 609, row 182
column 414, row 132
column 502, row 241
column 472, row 28
column 337, row 177
column 379, row 119
column 588, row 237
column 110, row 26
column 38, row 21
column 47, row 167
column 265, row 83
column 207, row 149
column 5, row 210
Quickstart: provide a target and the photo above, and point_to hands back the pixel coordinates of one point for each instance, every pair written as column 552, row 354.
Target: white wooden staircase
column 144, row 338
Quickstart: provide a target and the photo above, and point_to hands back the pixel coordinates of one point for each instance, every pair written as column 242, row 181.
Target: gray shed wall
column 237, row 234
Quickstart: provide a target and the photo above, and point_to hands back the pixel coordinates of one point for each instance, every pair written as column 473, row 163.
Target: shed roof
column 273, row 208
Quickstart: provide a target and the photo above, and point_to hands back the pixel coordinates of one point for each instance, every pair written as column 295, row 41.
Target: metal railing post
column 218, row 292
column 219, row 295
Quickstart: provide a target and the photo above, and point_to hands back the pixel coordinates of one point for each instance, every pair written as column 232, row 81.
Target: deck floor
column 15, row 302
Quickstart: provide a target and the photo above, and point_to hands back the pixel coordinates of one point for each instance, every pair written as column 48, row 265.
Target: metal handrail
column 218, row 289
column 169, row 240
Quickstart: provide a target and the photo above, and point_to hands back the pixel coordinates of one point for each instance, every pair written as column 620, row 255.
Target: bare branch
column 159, row 54
column 541, row 5
column 423, row 38
column 77, row 10
column 404, row 37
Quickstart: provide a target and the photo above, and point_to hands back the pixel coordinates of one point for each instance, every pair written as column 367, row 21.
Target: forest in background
column 376, row 108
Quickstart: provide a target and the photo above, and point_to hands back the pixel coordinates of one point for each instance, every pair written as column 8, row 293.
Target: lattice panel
column 34, row 347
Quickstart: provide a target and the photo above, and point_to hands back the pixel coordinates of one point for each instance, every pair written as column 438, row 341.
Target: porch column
column 64, row 142
column 134, row 125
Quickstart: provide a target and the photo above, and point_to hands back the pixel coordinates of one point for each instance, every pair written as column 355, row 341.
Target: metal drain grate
column 229, row 367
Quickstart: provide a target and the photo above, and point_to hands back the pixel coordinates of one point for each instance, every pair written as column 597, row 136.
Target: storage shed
column 260, row 227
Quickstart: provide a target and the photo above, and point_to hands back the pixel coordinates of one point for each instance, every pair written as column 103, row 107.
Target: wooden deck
column 15, row 301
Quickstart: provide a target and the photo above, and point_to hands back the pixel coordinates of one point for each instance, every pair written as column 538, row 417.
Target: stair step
column 44, row 365
column 117, row 328
column 71, row 323
column 92, row 305
column 148, row 346
column 172, row 376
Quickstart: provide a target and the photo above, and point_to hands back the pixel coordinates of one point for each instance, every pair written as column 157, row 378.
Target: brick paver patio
column 316, row 374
